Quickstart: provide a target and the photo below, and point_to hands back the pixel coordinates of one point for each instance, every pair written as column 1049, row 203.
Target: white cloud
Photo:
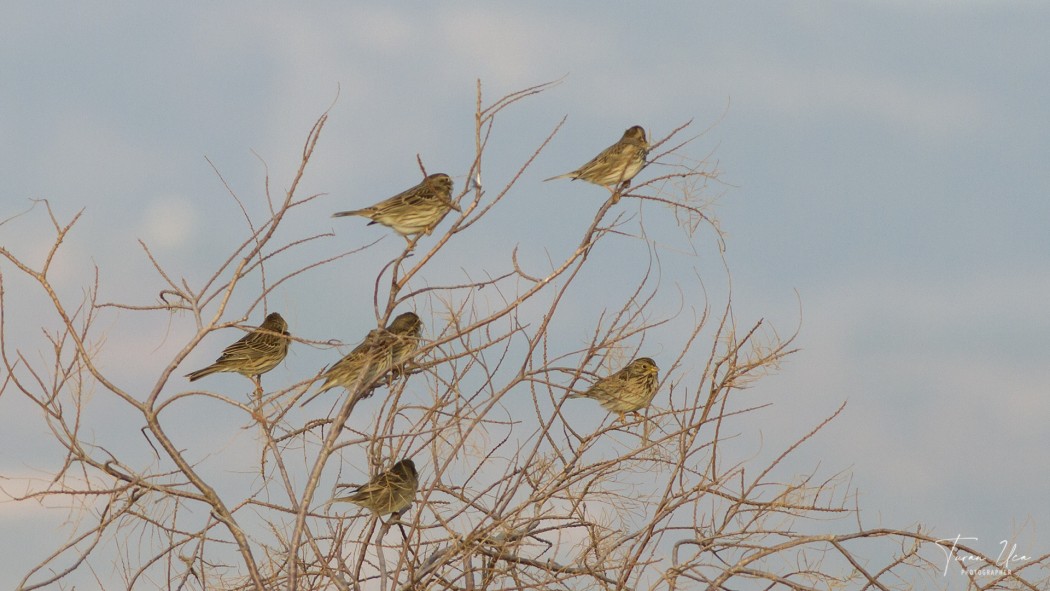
column 514, row 50
column 168, row 222
column 16, row 485
column 926, row 367
column 799, row 90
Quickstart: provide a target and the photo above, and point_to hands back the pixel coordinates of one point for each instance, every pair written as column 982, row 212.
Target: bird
column 628, row 390
column 616, row 165
column 413, row 211
column 383, row 350
column 253, row 354
column 389, row 492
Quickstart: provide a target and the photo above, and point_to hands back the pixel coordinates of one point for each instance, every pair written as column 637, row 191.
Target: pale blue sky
column 886, row 160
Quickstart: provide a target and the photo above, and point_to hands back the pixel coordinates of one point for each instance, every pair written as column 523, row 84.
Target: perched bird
column 383, row 350
column 417, row 210
column 254, row 354
column 616, row 165
column 389, row 492
column 628, row 390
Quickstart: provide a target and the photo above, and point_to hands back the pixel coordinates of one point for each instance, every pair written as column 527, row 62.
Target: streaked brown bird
column 628, row 390
column 616, row 165
column 383, row 350
column 389, row 492
column 254, row 354
column 414, row 211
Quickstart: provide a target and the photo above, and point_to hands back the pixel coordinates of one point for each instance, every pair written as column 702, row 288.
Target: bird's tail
column 323, row 389
column 568, row 175
column 200, row 373
column 341, row 214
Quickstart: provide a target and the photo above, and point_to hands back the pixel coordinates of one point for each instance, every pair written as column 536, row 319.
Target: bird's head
column 406, row 324
column 275, row 323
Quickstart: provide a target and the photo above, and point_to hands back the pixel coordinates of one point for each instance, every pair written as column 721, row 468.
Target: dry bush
column 519, row 488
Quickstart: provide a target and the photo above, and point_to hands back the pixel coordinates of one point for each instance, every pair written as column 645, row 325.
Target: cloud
column 940, row 376
column 796, row 90
column 168, row 222
column 515, row 50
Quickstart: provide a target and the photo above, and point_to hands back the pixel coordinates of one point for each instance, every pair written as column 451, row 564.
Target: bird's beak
column 455, row 207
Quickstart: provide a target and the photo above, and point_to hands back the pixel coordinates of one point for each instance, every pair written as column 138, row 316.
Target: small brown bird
column 414, row 211
column 628, row 390
column 254, row 354
column 616, row 165
column 382, row 350
column 389, row 492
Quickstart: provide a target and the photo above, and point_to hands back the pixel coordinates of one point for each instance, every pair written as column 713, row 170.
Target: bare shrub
column 519, row 487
